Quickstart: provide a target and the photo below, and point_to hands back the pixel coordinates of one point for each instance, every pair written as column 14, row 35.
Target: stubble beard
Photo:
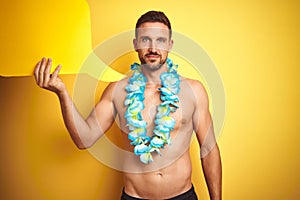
column 153, row 67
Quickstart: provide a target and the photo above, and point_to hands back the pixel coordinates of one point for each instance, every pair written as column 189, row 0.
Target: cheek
column 141, row 52
column 164, row 53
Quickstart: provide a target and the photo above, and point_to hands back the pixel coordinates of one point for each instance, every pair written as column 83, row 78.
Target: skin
column 170, row 174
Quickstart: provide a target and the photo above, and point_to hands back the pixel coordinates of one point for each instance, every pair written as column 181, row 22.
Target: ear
column 135, row 44
column 170, row 45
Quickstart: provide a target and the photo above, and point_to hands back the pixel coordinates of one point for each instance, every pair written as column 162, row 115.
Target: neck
column 153, row 76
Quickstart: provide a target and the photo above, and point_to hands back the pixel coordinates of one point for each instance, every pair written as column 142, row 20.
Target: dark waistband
column 185, row 195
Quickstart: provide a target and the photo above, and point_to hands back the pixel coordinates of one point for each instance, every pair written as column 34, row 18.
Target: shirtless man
column 169, row 175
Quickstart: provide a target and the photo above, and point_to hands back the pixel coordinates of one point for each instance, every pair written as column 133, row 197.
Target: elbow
column 80, row 147
column 83, row 145
column 86, row 141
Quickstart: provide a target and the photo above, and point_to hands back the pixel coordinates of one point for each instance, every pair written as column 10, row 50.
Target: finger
column 56, row 72
column 47, row 72
column 41, row 72
column 36, row 72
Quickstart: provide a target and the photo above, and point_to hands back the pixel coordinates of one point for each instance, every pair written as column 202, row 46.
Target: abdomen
column 161, row 184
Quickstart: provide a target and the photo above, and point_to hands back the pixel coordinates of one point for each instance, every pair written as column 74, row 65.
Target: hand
column 46, row 80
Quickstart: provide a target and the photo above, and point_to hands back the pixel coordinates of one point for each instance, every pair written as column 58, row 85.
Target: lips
column 152, row 56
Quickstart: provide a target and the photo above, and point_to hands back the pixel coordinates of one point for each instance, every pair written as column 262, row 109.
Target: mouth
column 152, row 56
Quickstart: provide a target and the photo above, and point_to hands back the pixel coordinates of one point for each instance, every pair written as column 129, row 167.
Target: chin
column 153, row 66
column 154, row 62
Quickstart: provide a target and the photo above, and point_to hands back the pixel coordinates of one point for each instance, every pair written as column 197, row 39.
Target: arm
column 84, row 132
column 210, row 155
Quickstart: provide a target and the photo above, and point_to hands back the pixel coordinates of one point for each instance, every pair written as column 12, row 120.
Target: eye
column 161, row 40
column 145, row 39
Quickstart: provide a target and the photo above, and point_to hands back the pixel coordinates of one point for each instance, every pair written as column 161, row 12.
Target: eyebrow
column 144, row 37
column 163, row 38
column 147, row 37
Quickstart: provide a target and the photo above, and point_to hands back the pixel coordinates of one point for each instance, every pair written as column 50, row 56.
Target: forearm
column 78, row 128
column 212, row 169
column 83, row 132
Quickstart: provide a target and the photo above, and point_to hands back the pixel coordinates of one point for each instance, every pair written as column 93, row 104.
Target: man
column 157, row 109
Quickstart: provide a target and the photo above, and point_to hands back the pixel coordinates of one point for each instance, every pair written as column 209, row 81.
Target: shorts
column 189, row 195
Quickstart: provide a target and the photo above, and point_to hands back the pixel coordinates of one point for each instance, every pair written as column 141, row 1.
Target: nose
column 152, row 47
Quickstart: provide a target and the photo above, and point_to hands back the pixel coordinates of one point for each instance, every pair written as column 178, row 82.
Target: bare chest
column 182, row 116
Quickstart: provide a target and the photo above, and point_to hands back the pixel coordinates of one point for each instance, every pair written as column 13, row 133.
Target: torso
column 169, row 174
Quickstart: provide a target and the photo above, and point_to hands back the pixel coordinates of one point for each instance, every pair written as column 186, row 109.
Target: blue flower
column 172, row 67
column 152, row 149
column 172, row 103
column 137, row 132
column 173, row 98
column 138, row 77
column 136, row 123
column 166, row 121
column 165, row 91
column 162, row 110
column 135, row 107
column 162, row 133
column 132, row 88
column 134, row 66
column 134, row 96
column 157, row 142
column 138, row 135
column 140, row 149
column 146, row 158
column 138, row 140
column 171, row 81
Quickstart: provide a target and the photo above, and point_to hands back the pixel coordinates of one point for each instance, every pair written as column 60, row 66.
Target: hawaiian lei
column 144, row 144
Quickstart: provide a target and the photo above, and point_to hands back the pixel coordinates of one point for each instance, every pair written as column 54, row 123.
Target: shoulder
column 196, row 86
column 116, row 87
column 196, row 92
column 117, row 84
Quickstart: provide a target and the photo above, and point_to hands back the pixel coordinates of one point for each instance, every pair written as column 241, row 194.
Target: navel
column 160, row 174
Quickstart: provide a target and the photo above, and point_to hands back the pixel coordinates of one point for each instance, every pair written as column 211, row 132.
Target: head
column 153, row 39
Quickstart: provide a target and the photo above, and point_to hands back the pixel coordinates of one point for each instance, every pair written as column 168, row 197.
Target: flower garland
column 144, row 144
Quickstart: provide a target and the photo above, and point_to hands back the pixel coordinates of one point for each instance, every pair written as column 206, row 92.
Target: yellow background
column 254, row 44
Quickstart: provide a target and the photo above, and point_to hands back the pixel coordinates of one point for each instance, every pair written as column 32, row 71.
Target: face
column 153, row 43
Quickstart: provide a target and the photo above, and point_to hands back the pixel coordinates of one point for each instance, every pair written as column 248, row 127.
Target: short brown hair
column 153, row 16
